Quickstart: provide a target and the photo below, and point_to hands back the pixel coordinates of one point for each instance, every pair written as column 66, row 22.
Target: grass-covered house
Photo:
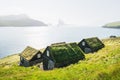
column 30, row 56
column 91, row 44
column 61, row 54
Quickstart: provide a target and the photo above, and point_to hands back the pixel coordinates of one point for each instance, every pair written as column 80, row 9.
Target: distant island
column 112, row 25
column 19, row 20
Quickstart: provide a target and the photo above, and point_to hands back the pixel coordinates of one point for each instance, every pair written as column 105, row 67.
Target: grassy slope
column 102, row 65
column 9, row 59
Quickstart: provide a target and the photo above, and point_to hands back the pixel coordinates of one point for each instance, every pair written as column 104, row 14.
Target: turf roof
column 29, row 52
column 94, row 42
column 69, row 53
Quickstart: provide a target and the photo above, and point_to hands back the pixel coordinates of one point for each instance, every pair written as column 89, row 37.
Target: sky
column 78, row 12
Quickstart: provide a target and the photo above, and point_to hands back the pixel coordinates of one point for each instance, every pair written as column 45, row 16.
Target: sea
column 14, row 40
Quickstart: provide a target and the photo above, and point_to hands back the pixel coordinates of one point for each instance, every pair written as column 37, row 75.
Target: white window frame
column 83, row 43
column 38, row 55
column 48, row 54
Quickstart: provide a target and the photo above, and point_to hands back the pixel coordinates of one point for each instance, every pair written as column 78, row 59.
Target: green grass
column 102, row 65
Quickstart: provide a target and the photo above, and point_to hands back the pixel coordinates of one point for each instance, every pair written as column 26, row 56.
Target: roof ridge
column 32, row 48
column 58, row 44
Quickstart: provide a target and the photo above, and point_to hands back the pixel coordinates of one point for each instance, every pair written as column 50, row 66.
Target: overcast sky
column 79, row 12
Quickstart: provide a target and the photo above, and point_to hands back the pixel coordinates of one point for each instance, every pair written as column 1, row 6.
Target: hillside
column 19, row 20
column 112, row 25
column 102, row 65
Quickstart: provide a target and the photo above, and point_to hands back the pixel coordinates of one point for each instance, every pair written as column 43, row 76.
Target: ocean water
column 15, row 39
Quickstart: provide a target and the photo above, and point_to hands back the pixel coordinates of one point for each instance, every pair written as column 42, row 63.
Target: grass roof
column 94, row 42
column 66, row 53
column 29, row 52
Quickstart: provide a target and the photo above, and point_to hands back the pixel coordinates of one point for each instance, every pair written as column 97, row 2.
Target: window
column 87, row 50
column 38, row 55
column 83, row 43
column 50, row 64
column 21, row 58
column 48, row 53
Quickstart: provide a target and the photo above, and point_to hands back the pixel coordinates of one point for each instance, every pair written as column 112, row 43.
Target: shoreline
column 111, row 27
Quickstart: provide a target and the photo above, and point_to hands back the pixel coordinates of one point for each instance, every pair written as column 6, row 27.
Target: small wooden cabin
column 61, row 54
column 30, row 56
column 90, row 44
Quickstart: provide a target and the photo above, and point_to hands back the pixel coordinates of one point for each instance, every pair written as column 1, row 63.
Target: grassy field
column 102, row 65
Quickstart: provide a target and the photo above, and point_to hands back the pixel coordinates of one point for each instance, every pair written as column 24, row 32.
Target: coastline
column 111, row 27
